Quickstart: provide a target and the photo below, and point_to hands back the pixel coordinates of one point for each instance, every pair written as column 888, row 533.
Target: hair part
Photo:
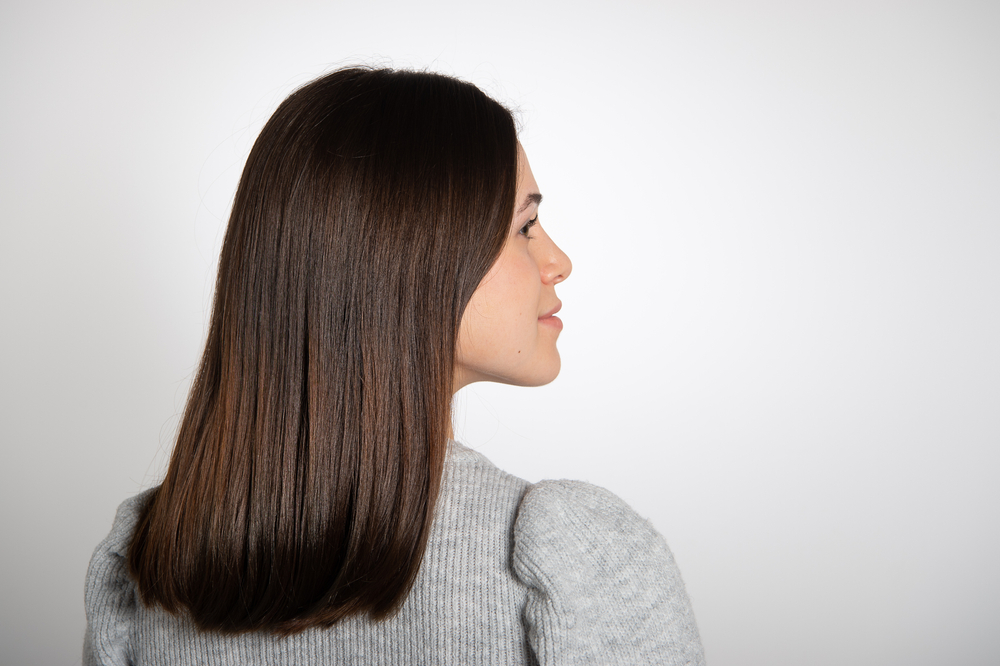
column 301, row 489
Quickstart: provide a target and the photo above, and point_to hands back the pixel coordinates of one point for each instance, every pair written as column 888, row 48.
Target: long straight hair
column 302, row 486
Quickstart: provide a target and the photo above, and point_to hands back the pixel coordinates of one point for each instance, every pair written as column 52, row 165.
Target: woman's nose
column 556, row 266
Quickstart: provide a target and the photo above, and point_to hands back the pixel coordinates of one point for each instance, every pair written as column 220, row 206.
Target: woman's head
column 392, row 191
column 302, row 485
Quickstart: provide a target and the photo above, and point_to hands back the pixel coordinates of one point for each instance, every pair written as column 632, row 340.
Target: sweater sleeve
column 110, row 597
column 603, row 586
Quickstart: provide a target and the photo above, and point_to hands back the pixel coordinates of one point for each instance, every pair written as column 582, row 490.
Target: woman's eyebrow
column 533, row 198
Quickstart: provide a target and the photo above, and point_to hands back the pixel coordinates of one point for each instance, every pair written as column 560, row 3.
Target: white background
column 782, row 338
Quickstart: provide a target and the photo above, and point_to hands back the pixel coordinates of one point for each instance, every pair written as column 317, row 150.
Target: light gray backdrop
column 782, row 338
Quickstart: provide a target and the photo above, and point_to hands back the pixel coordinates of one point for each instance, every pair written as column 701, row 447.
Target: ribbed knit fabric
column 560, row 572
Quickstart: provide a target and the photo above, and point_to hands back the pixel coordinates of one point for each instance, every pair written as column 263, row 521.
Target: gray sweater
column 559, row 572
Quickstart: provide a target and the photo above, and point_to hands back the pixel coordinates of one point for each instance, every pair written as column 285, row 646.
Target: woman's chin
column 539, row 373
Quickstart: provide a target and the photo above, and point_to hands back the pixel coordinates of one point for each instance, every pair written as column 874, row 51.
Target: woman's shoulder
column 604, row 585
column 572, row 504
column 111, row 599
column 566, row 524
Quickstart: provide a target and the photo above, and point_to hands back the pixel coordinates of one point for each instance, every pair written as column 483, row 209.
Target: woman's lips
column 550, row 318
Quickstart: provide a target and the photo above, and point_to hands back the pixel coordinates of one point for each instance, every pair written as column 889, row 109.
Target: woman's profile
column 384, row 250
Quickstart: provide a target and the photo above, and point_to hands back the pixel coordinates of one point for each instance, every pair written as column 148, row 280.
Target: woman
column 383, row 251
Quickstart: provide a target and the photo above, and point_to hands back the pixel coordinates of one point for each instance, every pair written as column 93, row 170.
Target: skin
column 508, row 331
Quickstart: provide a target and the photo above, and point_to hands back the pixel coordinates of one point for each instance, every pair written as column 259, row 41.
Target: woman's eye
column 527, row 227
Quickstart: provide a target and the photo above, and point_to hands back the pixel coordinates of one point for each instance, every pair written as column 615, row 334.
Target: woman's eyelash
column 527, row 227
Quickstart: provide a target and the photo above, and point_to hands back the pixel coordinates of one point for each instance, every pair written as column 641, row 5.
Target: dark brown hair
column 302, row 486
